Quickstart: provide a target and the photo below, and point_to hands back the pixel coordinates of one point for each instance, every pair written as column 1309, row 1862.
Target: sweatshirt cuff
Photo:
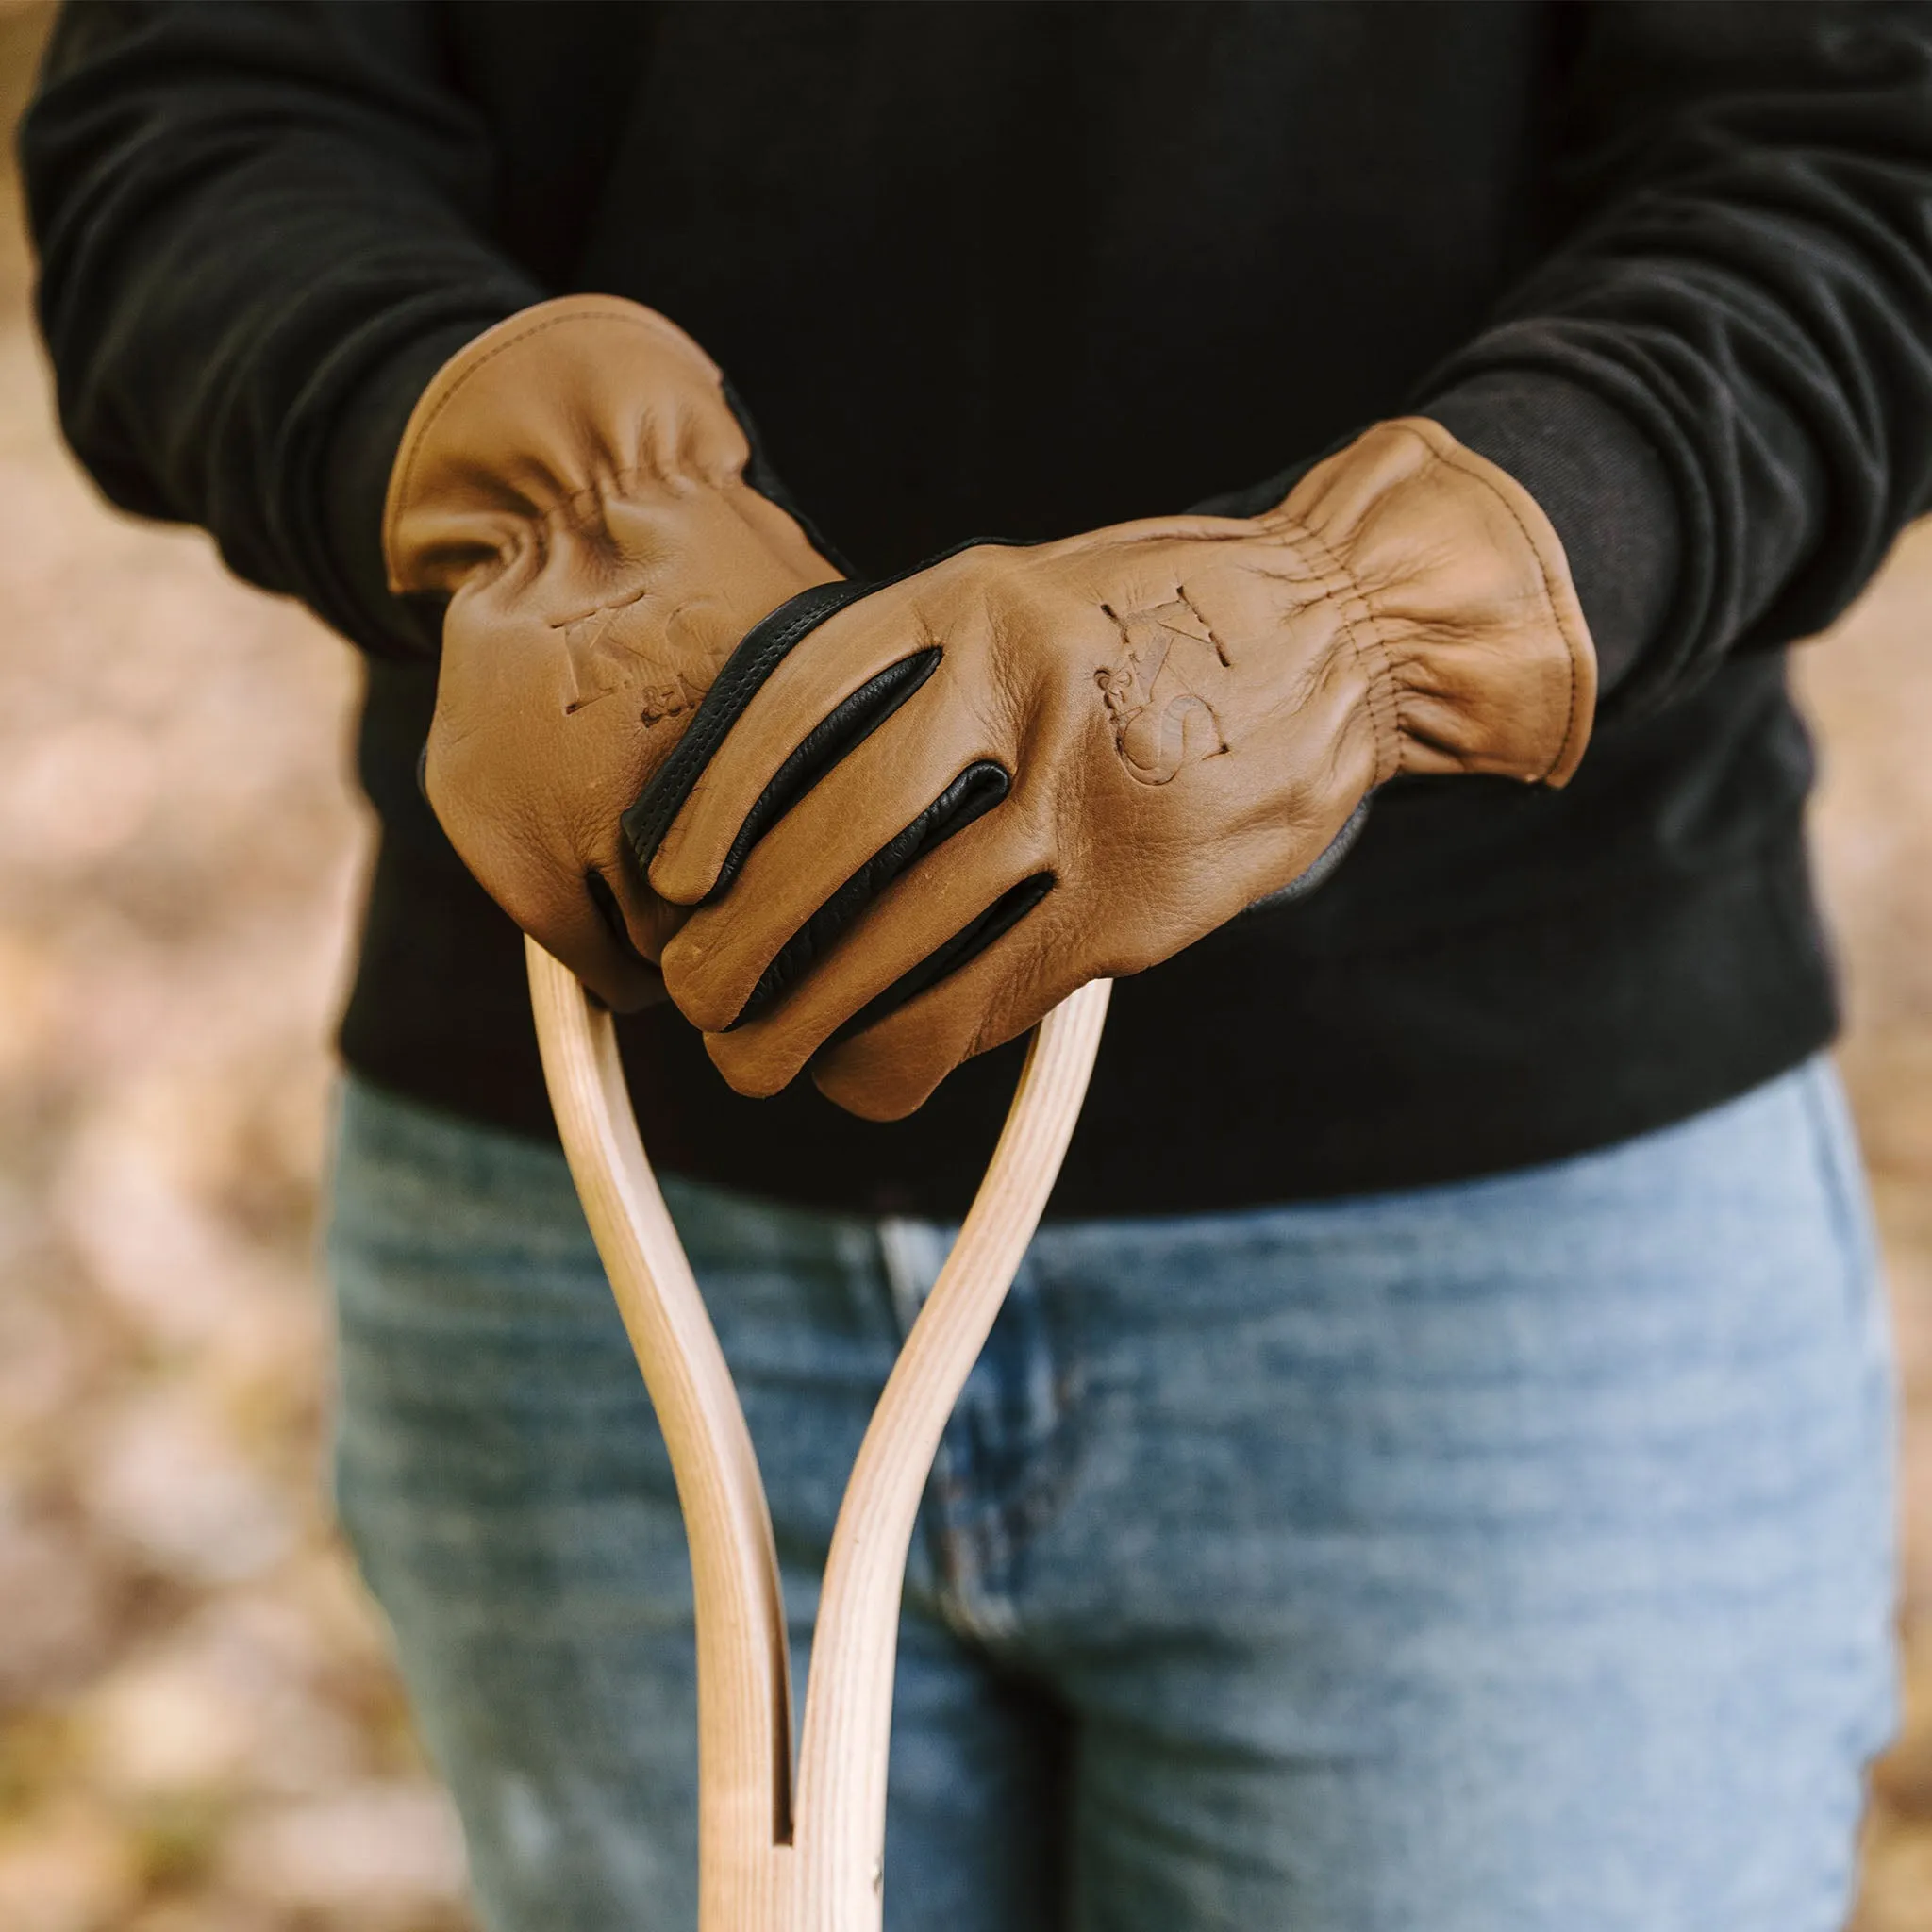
column 362, row 450
column 1600, row 483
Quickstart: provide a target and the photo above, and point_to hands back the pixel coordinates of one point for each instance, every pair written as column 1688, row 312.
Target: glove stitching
column 1573, row 720
column 738, row 680
column 1363, row 630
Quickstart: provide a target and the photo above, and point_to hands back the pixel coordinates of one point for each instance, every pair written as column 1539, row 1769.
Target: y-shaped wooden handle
column 769, row 1862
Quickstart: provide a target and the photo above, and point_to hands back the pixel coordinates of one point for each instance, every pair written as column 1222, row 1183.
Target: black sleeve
column 1719, row 382
column 262, row 226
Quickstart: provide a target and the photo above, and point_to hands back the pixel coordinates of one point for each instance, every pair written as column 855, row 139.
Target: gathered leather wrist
column 1447, row 582
column 555, row 440
column 573, row 482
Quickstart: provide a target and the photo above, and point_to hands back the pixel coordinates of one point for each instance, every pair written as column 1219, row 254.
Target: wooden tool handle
column 766, row 1865
column 744, row 1699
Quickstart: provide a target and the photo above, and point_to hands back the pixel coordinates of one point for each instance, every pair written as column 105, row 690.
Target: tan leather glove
column 1167, row 720
column 574, row 480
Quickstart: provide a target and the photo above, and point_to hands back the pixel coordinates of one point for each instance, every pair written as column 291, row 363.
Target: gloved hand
column 574, row 480
column 1070, row 761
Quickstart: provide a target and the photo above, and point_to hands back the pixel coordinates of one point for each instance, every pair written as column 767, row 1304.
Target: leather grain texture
column 759, row 653
column 574, row 481
column 1189, row 712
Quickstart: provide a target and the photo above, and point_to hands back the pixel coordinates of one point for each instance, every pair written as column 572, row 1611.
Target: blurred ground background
column 199, row 1729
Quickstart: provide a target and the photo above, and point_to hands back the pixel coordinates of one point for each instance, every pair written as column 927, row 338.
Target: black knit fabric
column 1033, row 268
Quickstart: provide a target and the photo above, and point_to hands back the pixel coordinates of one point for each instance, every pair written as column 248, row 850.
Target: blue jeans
column 1509, row 1556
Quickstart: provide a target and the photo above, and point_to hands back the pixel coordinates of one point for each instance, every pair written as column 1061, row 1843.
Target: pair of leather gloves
column 873, row 829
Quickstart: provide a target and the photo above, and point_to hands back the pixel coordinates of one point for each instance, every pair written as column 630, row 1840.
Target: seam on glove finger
column 829, row 743
column 974, row 794
column 966, row 946
column 763, row 648
column 759, row 653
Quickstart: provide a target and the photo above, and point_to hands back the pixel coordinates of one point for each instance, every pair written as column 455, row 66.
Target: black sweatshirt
column 1027, row 270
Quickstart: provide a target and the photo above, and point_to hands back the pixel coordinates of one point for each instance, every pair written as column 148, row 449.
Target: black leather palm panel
column 974, row 793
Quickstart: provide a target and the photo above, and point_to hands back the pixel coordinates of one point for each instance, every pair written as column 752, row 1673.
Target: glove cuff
column 537, row 421
column 1457, row 598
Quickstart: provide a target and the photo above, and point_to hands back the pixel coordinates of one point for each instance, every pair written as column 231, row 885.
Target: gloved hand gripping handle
column 977, row 789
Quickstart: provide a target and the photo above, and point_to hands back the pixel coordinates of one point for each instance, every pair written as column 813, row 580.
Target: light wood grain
column 767, row 1864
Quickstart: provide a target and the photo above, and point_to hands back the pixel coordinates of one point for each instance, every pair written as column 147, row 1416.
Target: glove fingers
column 814, row 706
column 890, row 1067
column 869, row 819
column 964, row 891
